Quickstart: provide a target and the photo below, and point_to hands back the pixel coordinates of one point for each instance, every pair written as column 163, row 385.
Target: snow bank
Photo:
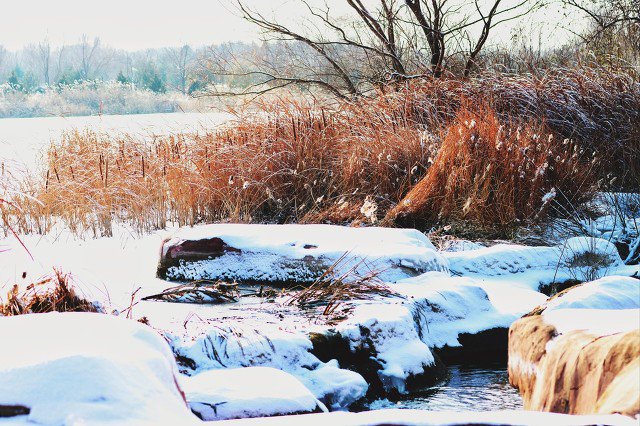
column 422, row 417
column 207, row 346
column 613, row 292
column 294, row 253
column 579, row 258
column 247, row 392
column 445, row 307
column 77, row 368
column 599, row 322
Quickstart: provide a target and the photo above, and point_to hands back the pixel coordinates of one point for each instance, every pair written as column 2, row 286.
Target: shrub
column 296, row 161
column 54, row 293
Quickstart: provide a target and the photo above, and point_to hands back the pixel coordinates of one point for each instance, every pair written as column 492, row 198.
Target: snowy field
column 24, row 140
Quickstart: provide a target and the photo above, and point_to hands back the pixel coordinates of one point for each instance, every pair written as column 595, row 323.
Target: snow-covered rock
column 294, row 253
column 204, row 345
column 388, row 334
column 236, row 393
column 578, row 258
column 337, row 387
column 82, row 368
column 613, row 292
column 445, row 307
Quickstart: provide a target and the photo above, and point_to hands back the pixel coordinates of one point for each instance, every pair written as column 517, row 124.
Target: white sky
column 139, row 24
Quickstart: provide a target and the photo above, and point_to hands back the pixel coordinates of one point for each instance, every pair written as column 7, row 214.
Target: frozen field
column 24, row 140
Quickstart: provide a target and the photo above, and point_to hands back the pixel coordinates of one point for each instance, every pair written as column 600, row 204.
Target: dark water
column 466, row 388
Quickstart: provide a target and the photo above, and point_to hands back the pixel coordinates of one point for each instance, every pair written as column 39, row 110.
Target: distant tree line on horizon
column 343, row 56
column 183, row 69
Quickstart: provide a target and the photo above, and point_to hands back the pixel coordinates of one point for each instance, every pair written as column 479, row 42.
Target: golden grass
column 295, row 161
column 495, row 175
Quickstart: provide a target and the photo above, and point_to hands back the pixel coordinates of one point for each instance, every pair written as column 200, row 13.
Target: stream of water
column 468, row 388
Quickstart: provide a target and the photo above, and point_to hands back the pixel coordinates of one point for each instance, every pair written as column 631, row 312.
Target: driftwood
column 203, row 291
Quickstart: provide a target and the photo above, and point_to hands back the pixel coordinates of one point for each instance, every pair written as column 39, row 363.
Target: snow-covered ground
column 83, row 368
column 488, row 288
column 23, row 141
column 434, row 418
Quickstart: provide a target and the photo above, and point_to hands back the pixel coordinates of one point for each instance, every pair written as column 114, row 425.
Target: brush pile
column 335, row 291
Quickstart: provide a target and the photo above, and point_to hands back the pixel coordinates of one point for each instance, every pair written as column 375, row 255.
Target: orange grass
column 495, row 174
column 295, row 161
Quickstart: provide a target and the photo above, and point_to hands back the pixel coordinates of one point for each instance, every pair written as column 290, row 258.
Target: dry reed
column 53, row 293
column 294, row 161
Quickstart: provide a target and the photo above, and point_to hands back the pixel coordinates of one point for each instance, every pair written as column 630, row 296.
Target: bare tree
column 43, row 50
column 378, row 41
column 181, row 59
column 614, row 24
column 93, row 57
column 3, row 58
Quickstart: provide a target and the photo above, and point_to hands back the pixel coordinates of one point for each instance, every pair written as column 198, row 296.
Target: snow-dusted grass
column 296, row 161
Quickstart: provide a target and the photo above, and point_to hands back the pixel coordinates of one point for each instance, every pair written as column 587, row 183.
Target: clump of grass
column 54, row 293
column 495, row 174
column 334, row 289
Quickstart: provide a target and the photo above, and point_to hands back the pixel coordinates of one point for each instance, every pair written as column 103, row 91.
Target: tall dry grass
column 498, row 174
column 288, row 162
column 294, row 161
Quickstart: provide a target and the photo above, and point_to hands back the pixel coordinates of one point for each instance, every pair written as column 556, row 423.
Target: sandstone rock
column 575, row 372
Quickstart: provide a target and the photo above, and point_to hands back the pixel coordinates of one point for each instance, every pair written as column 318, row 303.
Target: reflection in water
column 466, row 388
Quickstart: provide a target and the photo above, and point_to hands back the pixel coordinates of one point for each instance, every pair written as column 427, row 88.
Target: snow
column 258, row 341
column 448, row 306
column 24, row 140
column 424, row 418
column 336, row 387
column 267, row 252
column 600, row 322
column 612, row 292
column 499, row 284
column 389, row 330
column 247, row 392
column 536, row 266
column 78, row 368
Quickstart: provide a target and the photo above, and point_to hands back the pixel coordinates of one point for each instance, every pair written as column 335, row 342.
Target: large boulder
column 569, row 356
column 294, row 254
column 82, row 368
column 248, row 392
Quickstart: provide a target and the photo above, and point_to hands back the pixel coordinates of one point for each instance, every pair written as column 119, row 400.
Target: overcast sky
column 139, row 24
